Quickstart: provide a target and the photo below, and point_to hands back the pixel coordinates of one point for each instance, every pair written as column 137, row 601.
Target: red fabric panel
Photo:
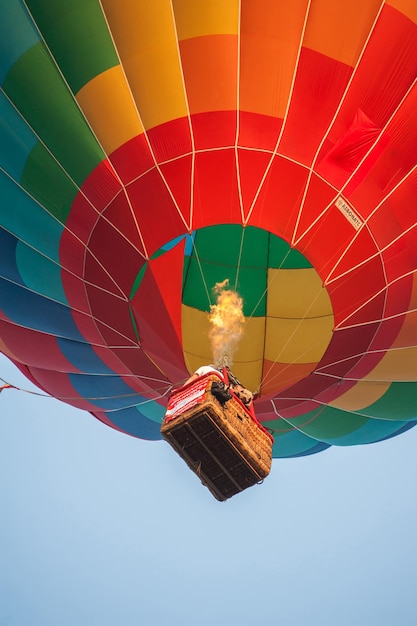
column 59, row 386
column 178, row 177
column 88, row 328
column 345, row 157
column 160, row 291
column 216, row 199
column 319, row 195
column 96, row 275
column 171, row 139
column 318, row 88
column 276, row 208
column 374, row 90
column 394, row 216
column 157, row 217
column 356, row 253
column 147, row 378
column 114, row 313
column 120, row 214
column 326, row 240
column 34, row 348
column 121, row 260
column 258, row 131
column 214, row 130
column 355, row 289
column 102, row 185
column 252, row 166
column 132, row 159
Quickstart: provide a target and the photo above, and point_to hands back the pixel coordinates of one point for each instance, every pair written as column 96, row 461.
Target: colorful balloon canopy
column 151, row 149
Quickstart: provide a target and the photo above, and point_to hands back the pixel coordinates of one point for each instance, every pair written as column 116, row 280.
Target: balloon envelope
column 151, row 149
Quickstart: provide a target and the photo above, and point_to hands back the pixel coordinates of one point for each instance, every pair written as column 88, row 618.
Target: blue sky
column 98, row 528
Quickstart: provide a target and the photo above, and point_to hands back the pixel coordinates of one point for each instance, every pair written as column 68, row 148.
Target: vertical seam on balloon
column 76, row 186
column 190, row 126
column 239, row 182
column 300, row 320
column 194, row 243
column 271, row 160
column 393, row 241
column 388, row 317
column 86, row 120
column 145, row 133
column 342, row 99
column 239, row 257
column 104, row 153
column 341, row 190
column 64, row 227
column 385, row 198
column 70, row 308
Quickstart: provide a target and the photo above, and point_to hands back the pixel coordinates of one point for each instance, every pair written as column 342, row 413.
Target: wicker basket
column 223, row 444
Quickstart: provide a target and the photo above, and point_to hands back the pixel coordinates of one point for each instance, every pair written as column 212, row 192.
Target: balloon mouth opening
column 286, row 318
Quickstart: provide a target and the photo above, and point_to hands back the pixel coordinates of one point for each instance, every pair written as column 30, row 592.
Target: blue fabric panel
column 374, row 430
column 105, row 392
column 28, row 221
column 407, row 426
column 153, row 411
column 16, row 139
column 319, row 447
column 83, row 357
column 17, row 34
column 295, row 444
column 133, row 422
column 8, row 267
column 31, row 310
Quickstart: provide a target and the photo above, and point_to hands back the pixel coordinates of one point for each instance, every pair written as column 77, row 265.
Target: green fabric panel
column 39, row 93
column 398, row 403
column 281, row 256
column 77, row 35
column 138, row 280
column 45, row 181
column 326, row 424
column 220, row 249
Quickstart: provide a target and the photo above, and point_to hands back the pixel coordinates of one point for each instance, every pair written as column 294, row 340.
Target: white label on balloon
column 349, row 213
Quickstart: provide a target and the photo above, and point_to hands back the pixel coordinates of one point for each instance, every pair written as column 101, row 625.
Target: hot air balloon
column 150, row 150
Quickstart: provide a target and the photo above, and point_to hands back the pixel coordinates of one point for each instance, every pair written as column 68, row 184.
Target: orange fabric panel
column 407, row 7
column 210, row 72
column 408, row 333
column 279, row 376
column 270, row 40
column 339, row 29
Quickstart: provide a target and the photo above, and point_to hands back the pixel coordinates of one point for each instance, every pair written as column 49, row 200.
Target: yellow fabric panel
column 297, row 293
column 297, row 341
column 396, row 365
column 407, row 337
column 407, row 7
column 360, row 396
column 206, row 17
column 247, row 358
column 270, row 39
column 108, row 106
column 339, row 29
column 145, row 38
